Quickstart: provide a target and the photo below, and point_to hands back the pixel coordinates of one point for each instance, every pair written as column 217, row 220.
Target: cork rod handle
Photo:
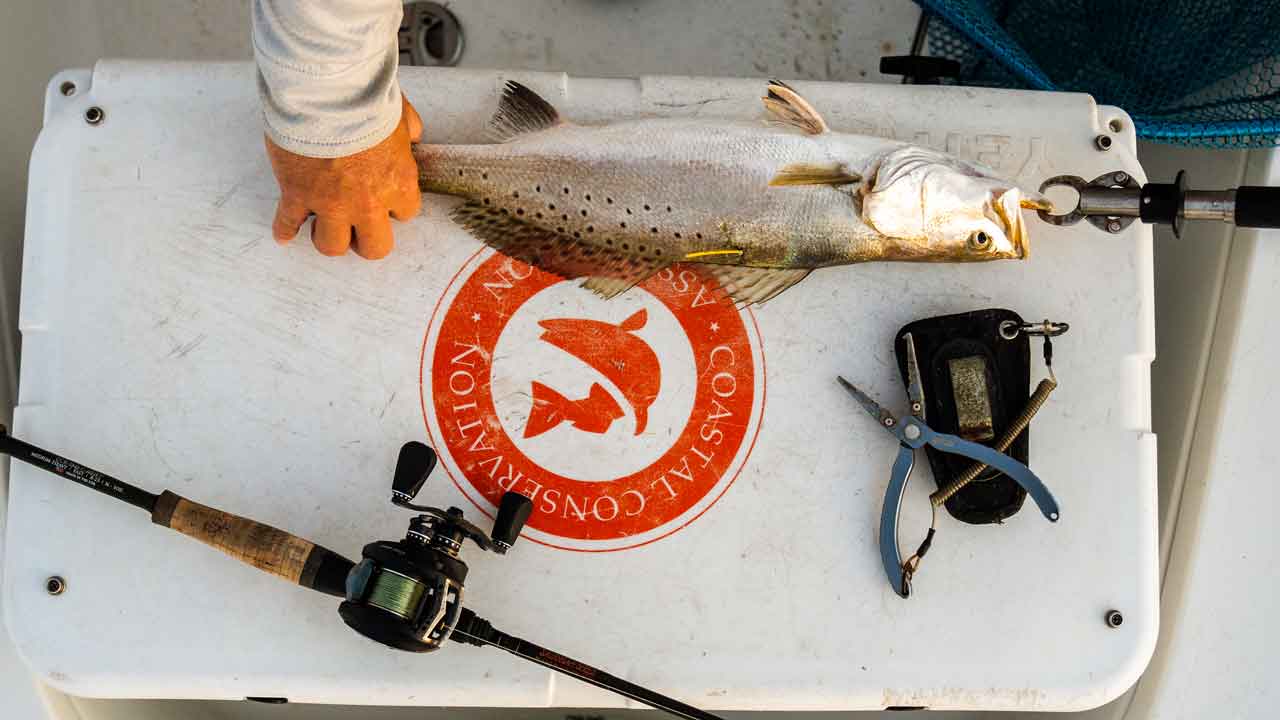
column 266, row 548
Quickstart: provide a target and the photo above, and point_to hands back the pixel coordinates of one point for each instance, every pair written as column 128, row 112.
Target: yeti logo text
column 623, row 420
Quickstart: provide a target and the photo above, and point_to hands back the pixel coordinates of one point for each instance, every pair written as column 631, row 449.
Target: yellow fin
column 814, row 174
column 786, row 105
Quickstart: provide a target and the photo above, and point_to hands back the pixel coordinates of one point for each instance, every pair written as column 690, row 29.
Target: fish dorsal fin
column 521, row 111
column 635, row 321
column 786, row 105
column 609, row 271
column 751, row 285
column 814, row 174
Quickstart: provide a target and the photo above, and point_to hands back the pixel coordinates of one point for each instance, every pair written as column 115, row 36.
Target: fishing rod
column 405, row 594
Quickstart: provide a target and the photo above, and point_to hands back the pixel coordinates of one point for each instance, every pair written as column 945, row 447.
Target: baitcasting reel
column 408, row 593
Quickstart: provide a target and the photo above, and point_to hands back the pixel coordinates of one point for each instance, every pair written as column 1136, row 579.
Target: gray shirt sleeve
column 327, row 73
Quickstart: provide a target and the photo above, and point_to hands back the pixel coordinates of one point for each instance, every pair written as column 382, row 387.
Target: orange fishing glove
column 353, row 197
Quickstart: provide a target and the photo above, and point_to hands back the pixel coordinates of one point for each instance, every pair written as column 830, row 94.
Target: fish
column 756, row 206
column 593, row 413
column 614, row 351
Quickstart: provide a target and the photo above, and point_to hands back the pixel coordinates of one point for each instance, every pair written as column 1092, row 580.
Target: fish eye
column 980, row 240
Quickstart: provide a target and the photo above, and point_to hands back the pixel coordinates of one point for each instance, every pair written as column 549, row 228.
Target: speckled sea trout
column 759, row 205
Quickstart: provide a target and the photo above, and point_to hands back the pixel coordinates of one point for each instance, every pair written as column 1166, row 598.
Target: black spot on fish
column 608, row 241
column 551, row 206
column 590, row 229
column 587, row 197
column 646, row 207
column 560, row 230
column 519, row 211
column 566, row 191
column 486, row 201
column 668, row 208
column 628, row 211
column 564, row 217
column 584, row 213
column 516, row 194
column 698, row 235
column 653, row 230
column 577, row 234
column 460, row 173
column 538, row 215
column 640, row 248
column 484, row 176
column 677, row 236
column 622, row 224
column 608, row 200
column 625, row 246
column 537, row 188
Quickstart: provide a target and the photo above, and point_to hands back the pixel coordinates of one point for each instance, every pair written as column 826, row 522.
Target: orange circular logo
column 623, row 420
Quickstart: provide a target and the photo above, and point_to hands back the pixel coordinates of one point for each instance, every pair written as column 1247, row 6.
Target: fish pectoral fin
column 814, row 174
column 521, row 111
column 609, row 271
column 751, row 285
column 786, row 106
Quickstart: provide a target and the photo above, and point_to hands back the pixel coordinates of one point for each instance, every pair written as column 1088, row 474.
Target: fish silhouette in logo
column 617, row 353
column 593, row 413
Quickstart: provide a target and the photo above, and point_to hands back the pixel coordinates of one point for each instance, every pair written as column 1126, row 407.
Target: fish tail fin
column 521, row 111
column 547, row 410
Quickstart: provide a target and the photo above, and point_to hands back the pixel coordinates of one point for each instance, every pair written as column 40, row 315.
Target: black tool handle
column 1258, row 207
column 477, row 631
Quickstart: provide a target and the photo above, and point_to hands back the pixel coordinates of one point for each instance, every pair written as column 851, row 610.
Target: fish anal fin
column 787, row 106
column 609, row 271
column 752, row 285
column 521, row 111
column 814, row 174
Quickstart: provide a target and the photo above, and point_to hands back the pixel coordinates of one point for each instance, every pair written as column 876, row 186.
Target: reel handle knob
column 415, row 463
column 513, row 511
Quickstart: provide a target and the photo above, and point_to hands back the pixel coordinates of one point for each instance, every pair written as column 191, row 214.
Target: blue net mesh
column 1192, row 72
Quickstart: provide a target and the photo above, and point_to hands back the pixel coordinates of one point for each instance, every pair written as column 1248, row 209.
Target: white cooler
column 725, row 555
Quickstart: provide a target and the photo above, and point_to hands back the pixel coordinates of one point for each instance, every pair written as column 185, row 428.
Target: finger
column 331, row 236
column 290, row 214
column 412, row 121
column 406, row 203
column 373, row 237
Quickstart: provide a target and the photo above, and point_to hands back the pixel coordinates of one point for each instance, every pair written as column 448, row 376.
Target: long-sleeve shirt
column 327, row 73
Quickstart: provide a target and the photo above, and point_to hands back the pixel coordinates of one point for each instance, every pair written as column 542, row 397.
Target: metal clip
column 1010, row 329
column 1109, row 201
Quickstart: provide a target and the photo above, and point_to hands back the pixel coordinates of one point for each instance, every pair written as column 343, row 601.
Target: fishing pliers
column 913, row 433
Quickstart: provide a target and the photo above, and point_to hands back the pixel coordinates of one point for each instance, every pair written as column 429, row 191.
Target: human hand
column 353, row 197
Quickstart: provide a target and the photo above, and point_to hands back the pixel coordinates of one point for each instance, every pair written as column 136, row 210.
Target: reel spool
column 407, row 594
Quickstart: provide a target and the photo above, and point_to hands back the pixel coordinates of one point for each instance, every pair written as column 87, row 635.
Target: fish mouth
column 1008, row 207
